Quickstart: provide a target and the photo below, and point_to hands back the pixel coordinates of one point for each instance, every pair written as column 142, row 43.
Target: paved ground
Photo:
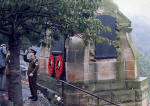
column 42, row 101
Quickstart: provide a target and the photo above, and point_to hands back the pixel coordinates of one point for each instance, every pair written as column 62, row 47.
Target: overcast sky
column 135, row 8
column 138, row 12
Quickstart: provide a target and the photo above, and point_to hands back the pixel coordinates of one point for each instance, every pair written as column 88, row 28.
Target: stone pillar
column 127, row 57
column 43, row 59
column 75, row 60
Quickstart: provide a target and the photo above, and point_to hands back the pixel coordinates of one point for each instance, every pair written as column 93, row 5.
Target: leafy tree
column 29, row 19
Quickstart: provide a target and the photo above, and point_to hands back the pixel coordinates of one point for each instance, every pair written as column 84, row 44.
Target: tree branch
column 4, row 32
column 27, row 28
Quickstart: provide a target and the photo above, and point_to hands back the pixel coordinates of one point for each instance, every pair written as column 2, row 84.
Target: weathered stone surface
column 74, row 72
column 117, row 85
column 140, row 83
column 102, row 86
column 141, row 95
column 144, row 102
column 123, row 96
column 43, row 59
column 43, row 64
column 90, row 71
column 130, row 74
column 89, row 76
column 123, row 41
column 129, row 65
column 128, row 57
column 106, row 69
column 75, row 50
column 130, row 68
column 72, row 99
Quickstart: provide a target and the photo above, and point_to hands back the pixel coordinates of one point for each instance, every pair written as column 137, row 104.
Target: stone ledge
column 140, row 83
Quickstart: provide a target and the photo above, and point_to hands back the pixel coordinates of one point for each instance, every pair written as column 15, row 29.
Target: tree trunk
column 14, row 78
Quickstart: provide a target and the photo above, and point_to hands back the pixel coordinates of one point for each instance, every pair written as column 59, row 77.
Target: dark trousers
column 32, row 85
column 3, row 79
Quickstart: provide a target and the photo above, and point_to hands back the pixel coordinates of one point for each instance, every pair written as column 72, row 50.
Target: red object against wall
column 59, row 66
column 51, row 65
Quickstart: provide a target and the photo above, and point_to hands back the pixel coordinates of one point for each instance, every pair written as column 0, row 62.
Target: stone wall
column 80, row 68
column 125, row 93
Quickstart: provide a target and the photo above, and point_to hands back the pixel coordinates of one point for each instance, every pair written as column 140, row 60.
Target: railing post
column 98, row 101
column 62, row 94
column 85, row 91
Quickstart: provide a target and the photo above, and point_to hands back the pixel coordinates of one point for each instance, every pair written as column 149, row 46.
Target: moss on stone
column 137, row 84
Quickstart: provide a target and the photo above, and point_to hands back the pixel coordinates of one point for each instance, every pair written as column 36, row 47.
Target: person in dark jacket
column 32, row 73
column 3, row 52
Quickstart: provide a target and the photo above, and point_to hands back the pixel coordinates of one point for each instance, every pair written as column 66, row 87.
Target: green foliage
column 3, row 39
column 62, row 17
column 29, row 19
column 109, row 5
column 26, row 22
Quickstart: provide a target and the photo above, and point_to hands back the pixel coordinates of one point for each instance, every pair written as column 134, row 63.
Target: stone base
column 125, row 93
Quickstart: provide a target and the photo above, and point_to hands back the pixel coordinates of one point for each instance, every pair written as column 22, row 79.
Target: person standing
column 3, row 52
column 32, row 73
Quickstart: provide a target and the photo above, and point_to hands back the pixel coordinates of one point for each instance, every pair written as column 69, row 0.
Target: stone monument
column 102, row 69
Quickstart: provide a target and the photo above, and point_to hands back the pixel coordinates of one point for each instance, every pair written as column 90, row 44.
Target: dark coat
column 7, row 69
column 33, row 68
column 33, row 65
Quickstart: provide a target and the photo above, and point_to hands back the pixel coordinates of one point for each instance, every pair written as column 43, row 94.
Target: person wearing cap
column 32, row 73
column 3, row 52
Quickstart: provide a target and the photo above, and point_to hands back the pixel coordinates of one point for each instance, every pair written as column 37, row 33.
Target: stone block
column 72, row 99
column 103, row 85
column 106, row 70
column 138, row 83
column 123, row 42
column 43, row 64
column 129, row 65
column 105, row 95
column 74, row 72
column 117, row 85
column 71, row 56
column 92, row 67
column 121, row 96
column 130, row 74
column 80, row 54
column 89, row 71
column 89, row 76
column 144, row 102
column 129, row 104
column 141, row 95
column 75, row 50
column 128, row 55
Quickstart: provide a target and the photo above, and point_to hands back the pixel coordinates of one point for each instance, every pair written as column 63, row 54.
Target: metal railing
column 85, row 91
